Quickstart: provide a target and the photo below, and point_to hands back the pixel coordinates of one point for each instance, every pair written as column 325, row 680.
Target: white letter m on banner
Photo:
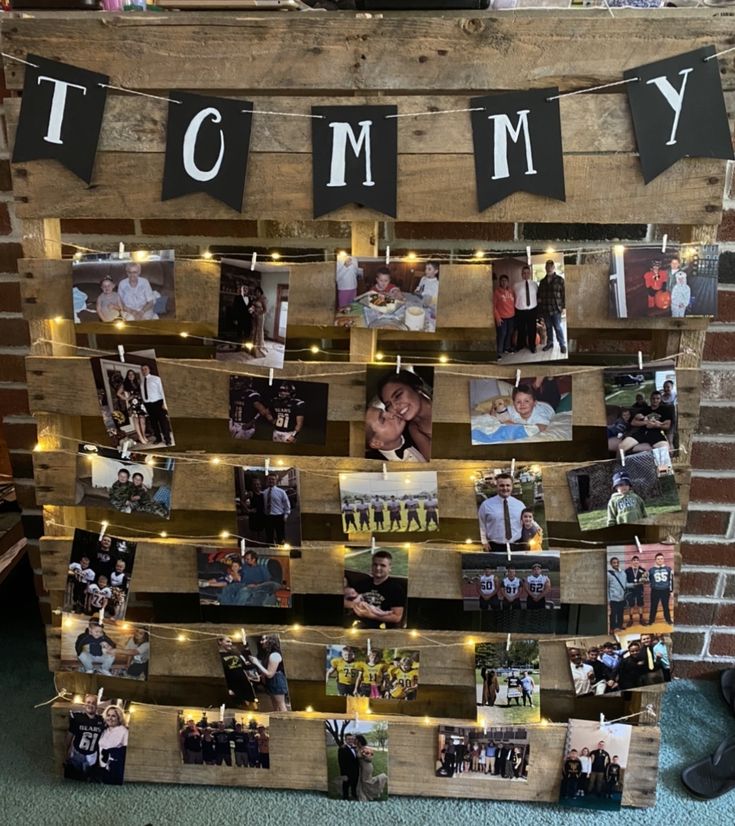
column 340, row 133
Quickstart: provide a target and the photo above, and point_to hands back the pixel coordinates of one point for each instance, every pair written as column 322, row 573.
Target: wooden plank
column 592, row 123
column 345, row 52
column 599, row 189
column 435, row 572
column 464, row 303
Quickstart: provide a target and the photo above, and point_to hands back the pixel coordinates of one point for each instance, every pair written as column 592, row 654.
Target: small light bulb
column 276, row 256
column 379, row 356
column 368, row 710
column 207, row 255
column 163, row 534
column 224, row 534
column 126, row 626
column 479, row 254
column 280, row 462
column 37, row 447
column 140, row 255
column 550, row 250
column 411, row 256
column 443, row 358
column 414, row 632
column 296, row 627
column 120, row 325
column 286, row 546
column 248, row 345
column 309, row 709
column 314, row 349
column 77, row 256
column 181, row 638
column 427, row 720
column 468, row 541
column 58, row 319
column 184, row 334
column 215, row 460
column 470, row 641
column 150, row 460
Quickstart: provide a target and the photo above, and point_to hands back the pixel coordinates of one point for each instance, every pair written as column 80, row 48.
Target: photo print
column 254, row 672
column 376, row 587
column 252, row 579
column 641, row 409
column 607, row 493
column 357, row 759
column 398, row 413
column 268, row 506
column 98, row 575
column 508, row 682
column 648, row 283
column 377, row 673
column 290, row 411
column 496, row 753
column 110, row 287
column 640, row 588
column 97, row 740
column 112, row 649
column 139, row 484
column 401, row 295
column 493, row 581
column 620, row 663
column 594, row 766
column 253, row 313
column 529, row 307
column 510, row 508
column 392, row 502
column 132, row 401
column 537, row 409
column 224, row 737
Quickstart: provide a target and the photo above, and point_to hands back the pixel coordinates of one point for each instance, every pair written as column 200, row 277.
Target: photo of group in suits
column 268, row 506
column 493, row 753
column 224, row 738
column 357, row 760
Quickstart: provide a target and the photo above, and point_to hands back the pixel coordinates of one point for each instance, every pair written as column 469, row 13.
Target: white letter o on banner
column 190, row 139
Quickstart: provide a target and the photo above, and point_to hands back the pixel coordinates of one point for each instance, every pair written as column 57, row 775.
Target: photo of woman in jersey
column 398, row 414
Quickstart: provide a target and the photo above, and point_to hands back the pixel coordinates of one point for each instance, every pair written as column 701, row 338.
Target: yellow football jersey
column 346, row 672
column 373, row 674
column 402, row 681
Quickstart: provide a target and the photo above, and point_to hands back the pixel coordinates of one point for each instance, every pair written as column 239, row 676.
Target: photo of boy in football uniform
column 246, row 407
column 286, row 413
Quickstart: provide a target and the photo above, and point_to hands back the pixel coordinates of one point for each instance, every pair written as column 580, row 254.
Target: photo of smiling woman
column 398, row 414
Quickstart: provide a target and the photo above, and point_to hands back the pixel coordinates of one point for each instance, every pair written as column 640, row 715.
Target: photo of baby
column 535, row 409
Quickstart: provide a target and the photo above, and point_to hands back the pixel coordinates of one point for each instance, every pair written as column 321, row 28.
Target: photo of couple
column 400, row 295
column 244, row 741
column 139, row 484
column 132, row 401
column 508, row 682
column 98, row 575
column 648, row 283
column 595, row 764
column 268, row 506
column 254, row 670
column 281, row 411
column 641, row 409
column 633, row 661
column 253, row 313
column 493, row 753
column 510, row 508
column 535, row 409
column 357, row 760
column 96, row 741
column 387, row 674
column 113, row 649
column 398, row 414
column 529, row 308
column 376, row 587
column 228, row 578
column 639, row 491
column 410, row 500
column 111, row 287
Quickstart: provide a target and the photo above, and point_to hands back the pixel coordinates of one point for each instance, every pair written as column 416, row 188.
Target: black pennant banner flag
column 207, row 145
column 517, row 139
column 354, row 158
column 678, row 110
column 60, row 115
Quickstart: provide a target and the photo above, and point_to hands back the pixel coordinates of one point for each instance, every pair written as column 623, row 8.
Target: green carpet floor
column 32, row 792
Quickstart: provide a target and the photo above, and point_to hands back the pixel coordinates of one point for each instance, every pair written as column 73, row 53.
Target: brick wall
column 705, row 638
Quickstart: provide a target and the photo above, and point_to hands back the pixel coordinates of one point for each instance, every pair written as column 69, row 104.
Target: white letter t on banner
column 673, row 98
column 58, row 103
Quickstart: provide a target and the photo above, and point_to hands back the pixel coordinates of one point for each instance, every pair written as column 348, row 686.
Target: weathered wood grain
column 599, row 189
column 427, row 52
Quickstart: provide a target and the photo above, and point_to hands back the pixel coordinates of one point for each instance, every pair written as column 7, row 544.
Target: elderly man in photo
column 277, row 511
column 500, row 516
column 155, row 404
column 136, row 295
column 378, row 600
column 551, row 305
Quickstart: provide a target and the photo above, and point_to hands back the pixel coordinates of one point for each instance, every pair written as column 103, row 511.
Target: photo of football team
column 268, row 506
column 391, row 502
column 98, row 575
column 398, row 413
column 637, row 490
column 510, row 508
column 640, row 588
column 380, row 674
column 493, row 582
column 234, row 738
column 376, row 587
column 508, row 682
column 287, row 411
column 594, row 765
column 113, row 649
column 250, row 579
column 96, row 741
column 357, row 760
column 494, row 753
column 254, row 671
